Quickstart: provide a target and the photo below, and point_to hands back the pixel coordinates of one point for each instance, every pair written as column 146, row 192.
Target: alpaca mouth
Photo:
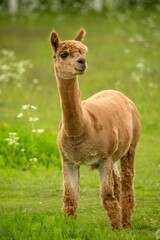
column 81, row 69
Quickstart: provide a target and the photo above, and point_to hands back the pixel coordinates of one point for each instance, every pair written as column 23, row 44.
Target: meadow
column 124, row 54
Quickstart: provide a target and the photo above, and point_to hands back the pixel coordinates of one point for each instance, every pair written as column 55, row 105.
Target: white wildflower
column 7, row 53
column 136, row 77
column 12, row 139
column 33, row 119
column 34, row 160
column 141, row 65
column 12, row 134
column 34, row 130
column 38, row 130
column 20, row 115
column 6, row 139
column 131, row 40
column 35, row 81
column 25, row 107
column 33, row 107
column 4, row 67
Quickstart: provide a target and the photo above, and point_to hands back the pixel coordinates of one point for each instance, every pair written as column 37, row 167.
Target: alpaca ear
column 54, row 39
column 80, row 35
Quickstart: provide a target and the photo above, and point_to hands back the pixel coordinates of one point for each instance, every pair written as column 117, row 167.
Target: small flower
column 131, row 40
column 25, row 107
column 35, row 81
column 7, row 139
column 136, row 77
column 33, row 107
column 141, row 65
column 38, row 130
column 7, row 53
column 33, row 119
column 13, row 139
column 4, row 67
column 12, row 134
column 20, row 115
column 34, row 160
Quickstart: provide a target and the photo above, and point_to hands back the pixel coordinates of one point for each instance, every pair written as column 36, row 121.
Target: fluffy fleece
column 96, row 132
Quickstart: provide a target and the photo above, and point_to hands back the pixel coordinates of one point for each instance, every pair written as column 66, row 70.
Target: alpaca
column 96, row 132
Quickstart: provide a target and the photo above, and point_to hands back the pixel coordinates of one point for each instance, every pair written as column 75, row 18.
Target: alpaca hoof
column 126, row 225
column 116, row 226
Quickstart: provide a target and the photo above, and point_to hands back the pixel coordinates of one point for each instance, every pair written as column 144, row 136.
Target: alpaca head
column 69, row 55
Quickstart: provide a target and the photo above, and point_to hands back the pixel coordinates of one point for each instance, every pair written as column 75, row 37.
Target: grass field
column 124, row 54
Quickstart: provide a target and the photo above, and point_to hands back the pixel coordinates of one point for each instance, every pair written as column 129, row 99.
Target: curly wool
column 70, row 45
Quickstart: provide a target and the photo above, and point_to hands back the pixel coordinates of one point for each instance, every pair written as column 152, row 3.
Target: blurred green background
column 123, row 42
column 124, row 54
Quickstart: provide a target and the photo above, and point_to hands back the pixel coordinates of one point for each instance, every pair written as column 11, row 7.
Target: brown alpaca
column 96, row 132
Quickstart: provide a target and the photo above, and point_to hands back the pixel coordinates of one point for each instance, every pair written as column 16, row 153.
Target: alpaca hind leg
column 117, row 183
column 109, row 201
column 127, row 186
column 71, row 187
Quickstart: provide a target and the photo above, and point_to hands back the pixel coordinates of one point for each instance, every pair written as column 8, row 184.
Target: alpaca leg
column 117, row 183
column 127, row 181
column 110, row 203
column 71, row 187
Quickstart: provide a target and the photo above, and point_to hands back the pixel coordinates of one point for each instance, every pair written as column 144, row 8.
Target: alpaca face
column 69, row 56
column 70, row 62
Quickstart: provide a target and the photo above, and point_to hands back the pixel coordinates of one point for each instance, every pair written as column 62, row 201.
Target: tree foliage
column 28, row 6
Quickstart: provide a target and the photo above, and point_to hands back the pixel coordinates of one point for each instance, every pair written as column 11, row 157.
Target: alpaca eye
column 64, row 54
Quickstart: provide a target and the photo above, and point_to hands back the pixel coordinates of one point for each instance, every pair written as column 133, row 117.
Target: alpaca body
column 96, row 132
column 110, row 118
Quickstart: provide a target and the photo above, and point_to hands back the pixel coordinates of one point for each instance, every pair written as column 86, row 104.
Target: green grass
column 31, row 207
column 124, row 55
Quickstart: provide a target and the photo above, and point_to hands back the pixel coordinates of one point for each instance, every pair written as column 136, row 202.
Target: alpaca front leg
column 110, row 202
column 71, row 187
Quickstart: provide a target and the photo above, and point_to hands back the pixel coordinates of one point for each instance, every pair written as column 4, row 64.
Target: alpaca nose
column 81, row 60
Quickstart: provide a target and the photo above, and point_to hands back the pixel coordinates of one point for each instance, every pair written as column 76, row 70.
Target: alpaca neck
column 72, row 115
